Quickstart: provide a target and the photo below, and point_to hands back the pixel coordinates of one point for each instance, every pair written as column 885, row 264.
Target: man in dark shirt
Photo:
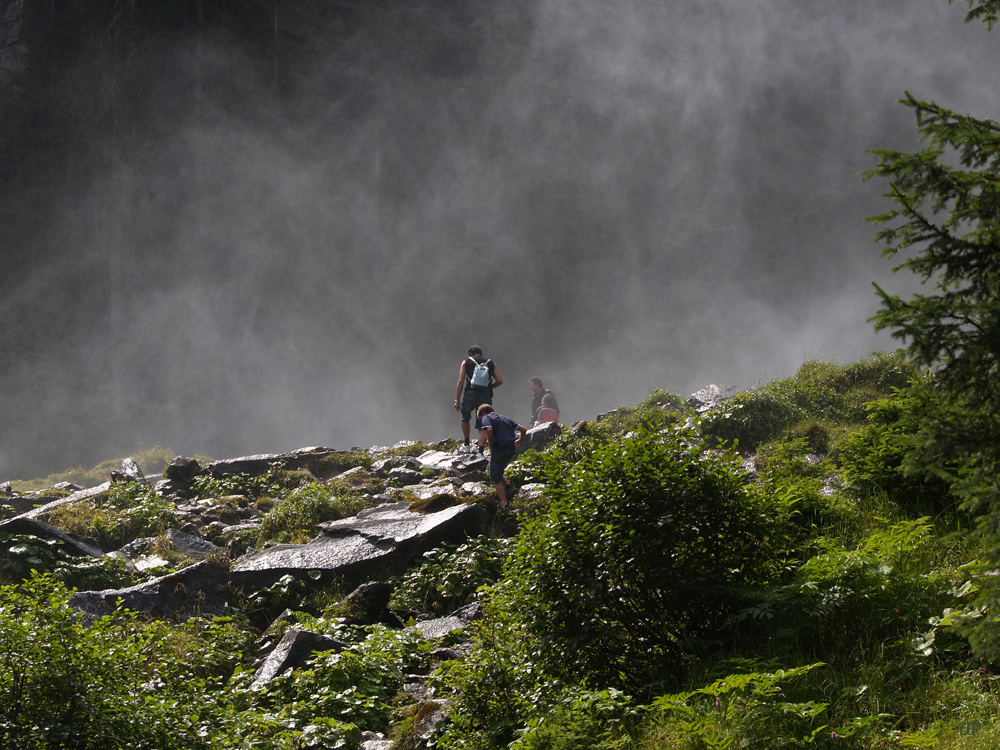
column 503, row 445
column 539, row 392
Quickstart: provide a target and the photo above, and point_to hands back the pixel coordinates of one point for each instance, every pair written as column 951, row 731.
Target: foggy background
column 617, row 197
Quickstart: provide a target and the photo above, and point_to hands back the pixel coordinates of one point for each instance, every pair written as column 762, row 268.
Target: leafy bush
column 641, row 557
column 272, row 483
column 874, row 457
column 601, row 720
column 660, row 409
column 447, row 576
column 876, row 595
column 820, row 392
column 744, row 710
column 294, row 515
column 356, row 685
column 750, row 418
column 495, row 689
column 64, row 684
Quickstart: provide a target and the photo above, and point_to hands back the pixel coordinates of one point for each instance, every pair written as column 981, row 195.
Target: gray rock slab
column 192, row 546
column 24, row 503
column 711, row 396
column 476, row 488
column 405, row 477
column 457, row 620
column 427, row 491
column 42, row 510
column 261, row 462
column 199, row 589
column 448, row 461
column 531, row 491
column 294, row 650
column 378, row 542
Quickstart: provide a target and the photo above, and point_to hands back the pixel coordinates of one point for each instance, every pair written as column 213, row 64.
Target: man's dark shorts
column 472, row 400
column 498, row 463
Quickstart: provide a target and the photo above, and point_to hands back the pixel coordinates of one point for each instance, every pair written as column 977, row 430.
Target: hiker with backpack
column 477, row 377
column 500, row 436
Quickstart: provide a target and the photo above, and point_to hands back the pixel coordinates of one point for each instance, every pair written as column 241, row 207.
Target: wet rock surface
column 377, row 543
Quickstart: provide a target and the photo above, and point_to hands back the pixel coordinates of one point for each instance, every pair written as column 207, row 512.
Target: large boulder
column 377, row 543
column 541, row 435
column 129, row 472
column 369, row 604
column 198, row 590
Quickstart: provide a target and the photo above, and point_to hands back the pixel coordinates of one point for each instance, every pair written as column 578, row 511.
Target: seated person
column 548, row 411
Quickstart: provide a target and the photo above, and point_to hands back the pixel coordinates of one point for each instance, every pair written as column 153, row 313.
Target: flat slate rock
column 457, row 620
column 261, row 462
column 377, row 542
column 449, row 460
column 197, row 590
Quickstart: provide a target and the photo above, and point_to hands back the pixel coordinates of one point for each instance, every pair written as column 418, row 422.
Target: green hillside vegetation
column 764, row 575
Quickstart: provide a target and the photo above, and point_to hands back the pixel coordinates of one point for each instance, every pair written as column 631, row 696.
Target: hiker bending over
column 503, row 445
column 477, row 377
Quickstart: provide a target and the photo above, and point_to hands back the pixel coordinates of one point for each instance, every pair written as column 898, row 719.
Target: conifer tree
column 945, row 225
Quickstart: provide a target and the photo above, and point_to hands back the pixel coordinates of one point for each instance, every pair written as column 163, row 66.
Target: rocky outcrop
column 379, row 542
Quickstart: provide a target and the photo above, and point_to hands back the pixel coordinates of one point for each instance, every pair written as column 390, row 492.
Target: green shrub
column 294, row 515
column 274, row 482
column 447, row 576
column 874, row 457
column 67, row 685
column 602, row 720
column 750, row 418
column 495, row 689
column 748, row 710
column 643, row 554
column 355, row 685
column 818, row 396
column 844, row 601
column 659, row 410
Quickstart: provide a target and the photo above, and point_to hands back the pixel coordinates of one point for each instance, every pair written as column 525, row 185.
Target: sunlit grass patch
column 151, row 461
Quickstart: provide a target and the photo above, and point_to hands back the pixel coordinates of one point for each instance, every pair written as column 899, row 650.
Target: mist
column 616, row 198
